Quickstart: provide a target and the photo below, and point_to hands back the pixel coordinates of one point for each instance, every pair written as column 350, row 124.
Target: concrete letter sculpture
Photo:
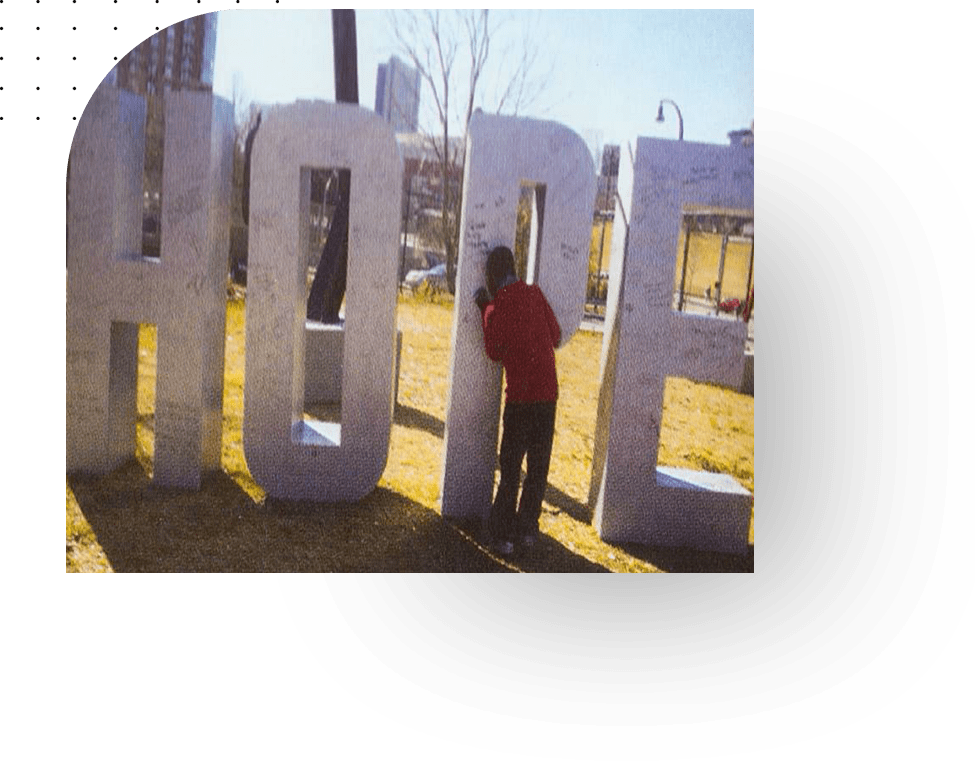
column 112, row 287
column 289, row 457
column 633, row 499
column 501, row 153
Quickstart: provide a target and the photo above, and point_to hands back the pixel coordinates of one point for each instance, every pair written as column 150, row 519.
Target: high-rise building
column 398, row 95
column 180, row 57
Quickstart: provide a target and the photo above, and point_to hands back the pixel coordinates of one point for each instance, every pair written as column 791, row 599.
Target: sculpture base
column 701, row 510
column 323, row 362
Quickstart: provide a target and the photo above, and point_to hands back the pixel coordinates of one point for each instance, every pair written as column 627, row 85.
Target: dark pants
column 528, row 430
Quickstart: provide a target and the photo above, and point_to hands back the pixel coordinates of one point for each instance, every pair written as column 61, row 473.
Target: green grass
column 121, row 522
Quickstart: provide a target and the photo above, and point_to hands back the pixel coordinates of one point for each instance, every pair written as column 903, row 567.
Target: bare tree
column 451, row 51
column 239, row 103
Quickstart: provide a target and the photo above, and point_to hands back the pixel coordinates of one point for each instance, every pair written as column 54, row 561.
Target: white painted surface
column 286, row 456
column 111, row 287
column 501, row 153
column 646, row 341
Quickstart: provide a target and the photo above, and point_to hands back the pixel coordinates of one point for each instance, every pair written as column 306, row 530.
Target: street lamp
column 680, row 119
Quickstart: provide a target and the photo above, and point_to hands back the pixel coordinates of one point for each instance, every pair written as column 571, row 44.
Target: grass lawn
column 121, row 522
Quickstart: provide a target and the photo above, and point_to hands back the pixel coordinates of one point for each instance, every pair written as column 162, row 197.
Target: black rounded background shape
column 864, row 582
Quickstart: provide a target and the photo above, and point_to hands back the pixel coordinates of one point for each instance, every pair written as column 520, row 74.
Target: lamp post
column 680, row 119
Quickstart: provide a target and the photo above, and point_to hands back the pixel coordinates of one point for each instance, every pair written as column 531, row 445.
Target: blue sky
column 609, row 68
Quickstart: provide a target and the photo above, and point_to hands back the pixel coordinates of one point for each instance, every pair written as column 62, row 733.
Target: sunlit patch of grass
column 706, row 427
column 83, row 554
column 146, row 397
column 709, row 428
column 232, row 458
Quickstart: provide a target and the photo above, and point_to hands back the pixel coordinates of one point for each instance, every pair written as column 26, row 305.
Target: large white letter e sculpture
column 634, row 499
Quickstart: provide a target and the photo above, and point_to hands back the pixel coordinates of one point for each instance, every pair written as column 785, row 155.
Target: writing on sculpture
column 112, row 288
column 633, row 499
column 502, row 153
column 291, row 457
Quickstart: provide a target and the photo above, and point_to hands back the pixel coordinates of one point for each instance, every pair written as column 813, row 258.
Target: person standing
column 521, row 332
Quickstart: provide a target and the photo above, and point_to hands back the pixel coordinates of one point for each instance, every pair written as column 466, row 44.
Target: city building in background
column 180, row 57
column 602, row 225
column 422, row 239
column 398, row 95
column 608, row 176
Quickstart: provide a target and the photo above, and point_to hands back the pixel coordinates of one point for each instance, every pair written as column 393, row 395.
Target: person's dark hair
column 500, row 267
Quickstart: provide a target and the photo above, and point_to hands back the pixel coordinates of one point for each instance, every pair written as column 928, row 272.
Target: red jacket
column 521, row 332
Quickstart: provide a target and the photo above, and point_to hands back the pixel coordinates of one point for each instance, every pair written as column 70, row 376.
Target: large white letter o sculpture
column 291, row 458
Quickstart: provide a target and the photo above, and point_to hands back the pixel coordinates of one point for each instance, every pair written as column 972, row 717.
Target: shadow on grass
column 567, row 504
column 411, row 417
column 687, row 560
column 219, row 528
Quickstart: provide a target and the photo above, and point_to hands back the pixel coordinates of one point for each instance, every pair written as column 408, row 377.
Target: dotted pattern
column 53, row 53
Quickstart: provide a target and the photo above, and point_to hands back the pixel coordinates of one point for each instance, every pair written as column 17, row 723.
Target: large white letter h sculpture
column 112, row 287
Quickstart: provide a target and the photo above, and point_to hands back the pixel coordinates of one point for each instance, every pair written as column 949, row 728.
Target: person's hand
column 481, row 298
